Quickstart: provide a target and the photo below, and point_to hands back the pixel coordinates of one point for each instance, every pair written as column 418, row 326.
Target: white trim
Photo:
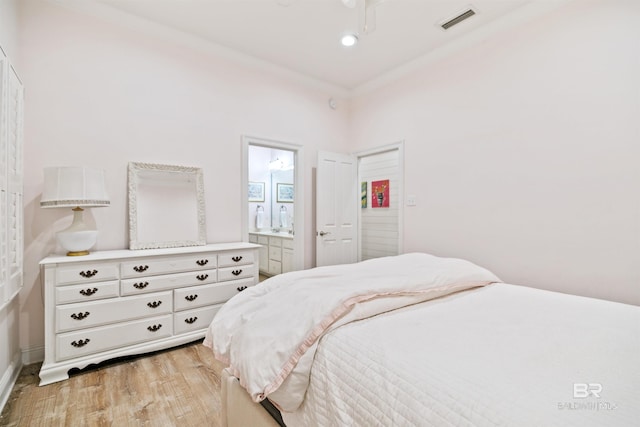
column 9, row 379
column 32, row 355
column 378, row 150
column 517, row 17
column 298, row 214
column 107, row 13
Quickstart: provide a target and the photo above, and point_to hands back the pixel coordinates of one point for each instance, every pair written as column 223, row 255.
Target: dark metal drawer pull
column 80, row 343
column 202, row 262
column 236, row 272
column 154, row 304
column 88, row 273
column 191, row 320
column 191, row 297
column 141, row 285
column 154, row 328
column 236, row 258
column 88, row 292
column 140, row 268
column 80, row 316
column 241, row 288
column 202, row 277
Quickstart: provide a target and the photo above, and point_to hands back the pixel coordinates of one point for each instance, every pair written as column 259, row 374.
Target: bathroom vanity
column 276, row 251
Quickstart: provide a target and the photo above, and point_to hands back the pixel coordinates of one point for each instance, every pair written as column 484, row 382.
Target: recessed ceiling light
column 349, row 40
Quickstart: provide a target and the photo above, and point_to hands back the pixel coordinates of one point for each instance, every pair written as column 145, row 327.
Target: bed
column 426, row 341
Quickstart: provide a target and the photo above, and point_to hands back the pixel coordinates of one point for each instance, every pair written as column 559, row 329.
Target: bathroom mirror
column 166, row 206
column 271, row 176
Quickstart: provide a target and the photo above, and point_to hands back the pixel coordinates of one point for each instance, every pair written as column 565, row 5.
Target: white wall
column 523, row 151
column 9, row 313
column 101, row 95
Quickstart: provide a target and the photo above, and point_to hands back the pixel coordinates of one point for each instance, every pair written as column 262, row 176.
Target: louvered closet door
column 4, row 275
column 11, row 117
column 15, row 229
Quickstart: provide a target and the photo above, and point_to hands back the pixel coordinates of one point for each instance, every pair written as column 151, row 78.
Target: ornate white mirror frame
column 166, row 206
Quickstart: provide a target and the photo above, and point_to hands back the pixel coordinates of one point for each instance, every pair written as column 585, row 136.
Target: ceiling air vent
column 458, row 19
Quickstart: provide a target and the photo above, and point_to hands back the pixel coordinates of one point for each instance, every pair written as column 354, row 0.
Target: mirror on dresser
column 166, row 206
column 273, row 203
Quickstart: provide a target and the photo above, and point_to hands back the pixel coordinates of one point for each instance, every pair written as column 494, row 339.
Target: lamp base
column 78, row 238
column 77, row 253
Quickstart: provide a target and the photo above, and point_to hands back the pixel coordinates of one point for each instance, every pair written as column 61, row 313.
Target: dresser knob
column 80, row 316
column 154, row 328
column 88, row 292
column 236, row 272
column 202, row 262
column 202, row 277
column 89, row 273
column 80, row 343
column 241, row 288
column 236, row 258
column 154, row 304
column 191, row 297
column 141, row 285
column 140, row 268
column 191, row 320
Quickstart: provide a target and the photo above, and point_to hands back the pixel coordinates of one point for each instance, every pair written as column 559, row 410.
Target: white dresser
column 116, row 303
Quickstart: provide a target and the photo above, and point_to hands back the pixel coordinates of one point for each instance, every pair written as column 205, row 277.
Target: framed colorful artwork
column 284, row 193
column 363, row 194
column 256, row 191
column 380, row 194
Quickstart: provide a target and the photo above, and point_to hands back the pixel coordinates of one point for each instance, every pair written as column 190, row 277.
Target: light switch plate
column 411, row 200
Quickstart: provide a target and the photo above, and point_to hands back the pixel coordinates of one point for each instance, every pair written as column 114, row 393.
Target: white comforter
column 501, row 355
column 268, row 334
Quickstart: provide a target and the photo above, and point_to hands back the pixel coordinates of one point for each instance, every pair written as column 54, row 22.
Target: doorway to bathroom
column 273, row 207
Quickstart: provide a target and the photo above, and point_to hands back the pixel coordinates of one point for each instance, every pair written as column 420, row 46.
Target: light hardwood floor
column 177, row 387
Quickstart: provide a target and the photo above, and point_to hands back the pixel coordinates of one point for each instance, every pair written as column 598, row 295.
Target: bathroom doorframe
column 298, row 195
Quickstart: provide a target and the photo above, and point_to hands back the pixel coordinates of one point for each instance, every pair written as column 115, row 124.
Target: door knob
column 324, row 233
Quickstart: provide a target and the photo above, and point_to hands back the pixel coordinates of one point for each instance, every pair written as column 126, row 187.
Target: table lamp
column 75, row 187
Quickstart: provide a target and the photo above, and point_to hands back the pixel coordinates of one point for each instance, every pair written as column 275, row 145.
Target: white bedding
column 499, row 355
column 417, row 340
column 268, row 333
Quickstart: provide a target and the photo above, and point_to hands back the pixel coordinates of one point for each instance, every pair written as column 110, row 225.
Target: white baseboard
column 9, row 379
column 32, row 355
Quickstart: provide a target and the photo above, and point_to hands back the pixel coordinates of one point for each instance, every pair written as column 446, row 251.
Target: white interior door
column 337, row 198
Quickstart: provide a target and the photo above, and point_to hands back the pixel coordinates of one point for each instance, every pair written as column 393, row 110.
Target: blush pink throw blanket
column 268, row 333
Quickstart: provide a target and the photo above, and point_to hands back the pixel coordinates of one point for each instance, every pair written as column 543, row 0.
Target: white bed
column 474, row 353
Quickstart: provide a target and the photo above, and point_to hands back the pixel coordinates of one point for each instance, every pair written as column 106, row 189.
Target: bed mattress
column 496, row 355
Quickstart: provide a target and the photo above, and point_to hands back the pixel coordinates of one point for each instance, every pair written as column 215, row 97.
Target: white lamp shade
column 74, row 187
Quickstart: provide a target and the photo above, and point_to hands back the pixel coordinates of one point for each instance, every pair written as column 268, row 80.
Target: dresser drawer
column 163, row 265
column 263, row 240
column 234, row 273
column 287, row 243
column 87, row 292
column 192, row 320
column 167, row 281
column 275, row 253
column 275, row 241
column 93, row 340
column 235, row 258
column 94, row 313
column 86, row 272
column 275, row 267
column 198, row 296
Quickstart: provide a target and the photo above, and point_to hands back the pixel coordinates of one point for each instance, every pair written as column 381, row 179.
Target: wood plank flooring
column 177, row 387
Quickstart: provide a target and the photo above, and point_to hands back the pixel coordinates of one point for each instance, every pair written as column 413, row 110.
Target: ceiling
column 304, row 35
